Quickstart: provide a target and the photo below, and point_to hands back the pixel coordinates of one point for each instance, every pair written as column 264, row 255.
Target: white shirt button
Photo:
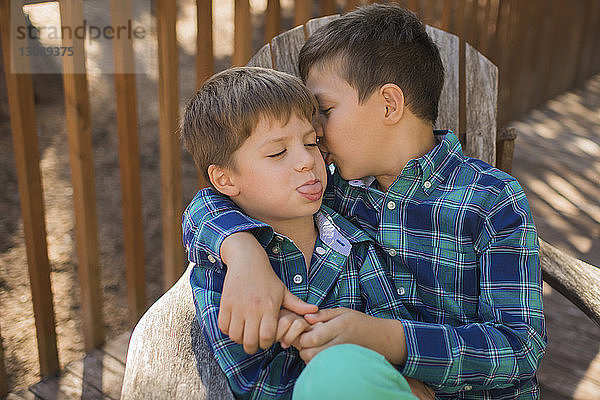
column 211, row 259
column 427, row 184
column 392, row 252
column 320, row 250
column 297, row 279
column 276, row 250
column 401, row 291
column 391, row 205
column 279, row 238
column 468, row 387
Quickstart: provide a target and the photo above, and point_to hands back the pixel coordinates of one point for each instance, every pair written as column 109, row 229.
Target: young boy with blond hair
column 249, row 131
column 458, row 235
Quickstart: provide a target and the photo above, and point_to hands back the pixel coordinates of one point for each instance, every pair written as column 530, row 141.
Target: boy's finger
column 267, row 332
column 251, row 336
column 297, row 327
column 223, row 320
column 324, row 315
column 236, row 329
column 296, row 305
column 319, row 335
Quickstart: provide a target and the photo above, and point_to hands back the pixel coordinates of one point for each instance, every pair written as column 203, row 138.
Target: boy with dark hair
column 458, row 234
column 249, row 131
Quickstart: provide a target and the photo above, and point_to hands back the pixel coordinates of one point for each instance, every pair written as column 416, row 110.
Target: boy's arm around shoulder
column 252, row 294
column 209, row 220
column 510, row 333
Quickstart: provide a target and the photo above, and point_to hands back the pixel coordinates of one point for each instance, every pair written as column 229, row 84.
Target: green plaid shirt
column 345, row 271
column 462, row 250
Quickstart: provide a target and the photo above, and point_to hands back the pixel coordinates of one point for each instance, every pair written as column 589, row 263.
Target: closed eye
column 277, row 154
column 325, row 111
column 311, row 144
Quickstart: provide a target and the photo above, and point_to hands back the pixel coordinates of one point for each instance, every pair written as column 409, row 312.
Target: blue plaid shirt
column 462, row 251
column 345, row 271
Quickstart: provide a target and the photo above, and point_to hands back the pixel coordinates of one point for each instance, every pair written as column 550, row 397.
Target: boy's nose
column 306, row 161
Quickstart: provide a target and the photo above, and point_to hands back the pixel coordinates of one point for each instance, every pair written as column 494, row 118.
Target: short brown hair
column 379, row 44
column 222, row 114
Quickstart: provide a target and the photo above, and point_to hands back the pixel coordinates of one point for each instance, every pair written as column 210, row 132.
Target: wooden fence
column 542, row 48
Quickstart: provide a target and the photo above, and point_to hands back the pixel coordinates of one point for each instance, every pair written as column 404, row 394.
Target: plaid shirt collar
column 433, row 167
column 334, row 231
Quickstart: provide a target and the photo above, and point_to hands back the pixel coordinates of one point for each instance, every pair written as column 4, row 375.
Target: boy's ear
column 221, row 179
column 393, row 99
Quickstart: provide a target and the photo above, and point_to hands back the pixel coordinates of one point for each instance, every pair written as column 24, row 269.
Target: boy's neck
column 413, row 140
column 302, row 231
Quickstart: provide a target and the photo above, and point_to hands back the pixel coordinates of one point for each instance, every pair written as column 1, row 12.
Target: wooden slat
column 352, row 4
column 129, row 162
column 544, row 52
column 448, row 104
column 3, row 377
column 205, row 60
column 66, row 387
column 592, row 18
column 285, row 49
column 481, row 94
column 315, row 23
column 328, row 7
column 77, row 108
column 414, row 6
column 242, row 36
column 25, row 141
column 446, row 17
column 576, row 34
column 522, row 73
column 505, row 148
column 101, row 371
column 459, row 27
column 170, row 153
column 302, row 11
column 262, row 58
column 576, row 280
column 272, row 20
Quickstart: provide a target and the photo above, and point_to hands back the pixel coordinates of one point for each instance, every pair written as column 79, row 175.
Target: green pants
column 349, row 372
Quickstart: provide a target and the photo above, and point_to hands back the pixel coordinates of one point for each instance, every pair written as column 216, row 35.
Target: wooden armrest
column 576, row 280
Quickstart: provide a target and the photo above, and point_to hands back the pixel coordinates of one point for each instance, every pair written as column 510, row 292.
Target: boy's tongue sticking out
column 312, row 190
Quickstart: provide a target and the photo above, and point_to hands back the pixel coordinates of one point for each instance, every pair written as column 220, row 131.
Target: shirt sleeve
column 267, row 374
column 507, row 345
column 208, row 220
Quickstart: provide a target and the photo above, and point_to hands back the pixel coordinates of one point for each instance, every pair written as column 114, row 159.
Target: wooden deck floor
column 556, row 161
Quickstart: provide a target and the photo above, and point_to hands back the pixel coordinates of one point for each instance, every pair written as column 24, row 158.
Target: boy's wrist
column 391, row 341
column 236, row 246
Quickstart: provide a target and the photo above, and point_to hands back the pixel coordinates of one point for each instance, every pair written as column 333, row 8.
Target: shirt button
column 279, row 238
column 297, row 279
column 320, row 250
column 275, row 249
column 427, row 184
column 211, row 259
column 401, row 291
column 392, row 252
column 391, row 205
column 468, row 387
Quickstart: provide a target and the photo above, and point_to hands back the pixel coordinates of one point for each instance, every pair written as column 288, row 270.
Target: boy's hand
column 289, row 328
column 252, row 294
column 342, row 325
column 419, row 389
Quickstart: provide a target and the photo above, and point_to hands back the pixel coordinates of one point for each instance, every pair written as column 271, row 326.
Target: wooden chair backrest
column 480, row 88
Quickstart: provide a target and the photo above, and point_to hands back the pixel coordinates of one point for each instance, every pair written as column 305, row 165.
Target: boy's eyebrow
column 284, row 138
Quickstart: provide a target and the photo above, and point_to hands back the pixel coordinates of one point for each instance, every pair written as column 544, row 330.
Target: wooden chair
column 160, row 360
